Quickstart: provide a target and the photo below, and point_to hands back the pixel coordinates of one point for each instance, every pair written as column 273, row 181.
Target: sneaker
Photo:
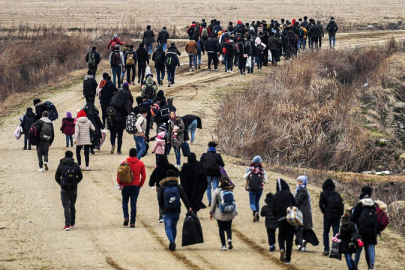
column 325, row 253
column 160, row 219
column 209, row 204
column 172, row 246
column 255, row 216
column 209, row 69
column 272, row 248
column 191, row 70
column 304, row 249
column 92, row 152
column 41, row 170
column 215, row 69
column 199, row 67
column 168, row 84
column 223, row 248
column 282, row 252
column 25, row 148
column 287, row 262
column 132, row 225
column 119, row 152
column 46, row 166
column 231, row 71
column 230, row 246
column 299, row 248
column 227, row 70
column 304, row 243
column 87, row 168
column 29, row 147
column 112, row 149
column 72, row 225
column 126, row 221
column 67, row 228
column 133, row 83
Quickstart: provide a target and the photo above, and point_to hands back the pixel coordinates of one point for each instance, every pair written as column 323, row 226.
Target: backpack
column 130, row 125
column 155, row 109
column 211, row 163
column 170, row 61
column 159, row 60
column 165, row 112
column 224, row 50
column 46, row 132
column 382, row 220
column 171, row 197
column 367, row 221
column 260, row 48
column 112, row 115
column 227, row 201
column 115, row 59
column 119, row 100
column 331, row 28
column 149, row 93
column 301, row 33
column 255, row 182
column 204, row 32
column 33, row 134
column 238, row 46
column 190, row 31
column 92, row 59
column 248, row 47
column 69, row 177
column 125, row 173
column 51, row 109
column 130, row 59
column 335, row 206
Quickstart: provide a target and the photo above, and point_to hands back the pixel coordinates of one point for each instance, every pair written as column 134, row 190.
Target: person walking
column 224, row 219
column 332, row 208
column 255, row 177
column 139, row 136
column 130, row 63
column 322, row 34
column 89, row 86
column 46, row 137
column 68, row 175
column 281, row 201
column 159, row 148
column 114, row 41
column 106, row 94
column 211, row 162
column 28, row 119
column 143, row 61
column 159, row 58
column 260, row 46
column 314, row 33
column 148, row 39
column 194, row 182
column 274, row 44
column 350, row 240
column 270, row 221
column 212, row 47
column 68, row 128
column 175, row 135
column 172, row 62
column 117, row 64
column 332, row 29
column 169, row 197
column 83, row 138
column 93, row 59
column 162, row 38
column 191, row 49
column 130, row 191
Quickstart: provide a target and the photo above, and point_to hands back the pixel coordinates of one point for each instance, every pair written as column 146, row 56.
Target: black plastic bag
column 335, row 251
column 192, row 231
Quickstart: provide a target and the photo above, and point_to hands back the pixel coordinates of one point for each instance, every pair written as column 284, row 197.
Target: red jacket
column 68, row 126
column 113, row 42
column 138, row 169
column 208, row 29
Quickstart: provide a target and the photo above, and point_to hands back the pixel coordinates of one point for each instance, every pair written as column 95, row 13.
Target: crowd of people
column 188, row 182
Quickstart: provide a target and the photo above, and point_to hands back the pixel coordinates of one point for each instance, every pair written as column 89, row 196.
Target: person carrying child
column 270, row 221
column 68, row 128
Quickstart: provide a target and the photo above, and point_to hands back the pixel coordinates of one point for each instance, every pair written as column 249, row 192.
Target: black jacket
column 282, row 200
column 328, row 186
column 28, row 119
column 97, row 57
column 314, row 32
column 63, row 162
column 369, row 239
column 212, row 45
column 108, row 91
column 171, row 181
column 345, row 234
column 142, row 55
column 162, row 54
column 89, row 86
column 39, row 108
column 187, row 119
column 212, row 155
column 267, row 211
column 159, row 173
column 148, row 37
column 163, row 36
column 174, row 49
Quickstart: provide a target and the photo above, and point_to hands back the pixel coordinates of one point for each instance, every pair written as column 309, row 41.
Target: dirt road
column 31, row 214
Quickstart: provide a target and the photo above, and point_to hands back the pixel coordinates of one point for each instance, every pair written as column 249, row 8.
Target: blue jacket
column 107, row 93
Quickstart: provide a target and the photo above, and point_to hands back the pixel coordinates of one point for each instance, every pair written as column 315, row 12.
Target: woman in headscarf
column 194, row 182
column 175, row 135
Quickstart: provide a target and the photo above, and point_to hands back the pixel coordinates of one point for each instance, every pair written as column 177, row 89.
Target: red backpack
column 382, row 220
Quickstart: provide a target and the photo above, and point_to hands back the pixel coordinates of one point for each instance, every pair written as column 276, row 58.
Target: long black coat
column 194, row 182
column 303, row 205
column 159, row 173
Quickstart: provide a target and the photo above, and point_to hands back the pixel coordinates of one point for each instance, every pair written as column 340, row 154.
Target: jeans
column 42, row 151
column 68, row 201
column 259, row 60
column 254, row 199
column 349, row 260
column 197, row 57
column 330, row 40
column 170, row 221
column 149, row 48
column 69, row 138
column 301, row 43
column 285, row 237
column 178, row 154
column 192, row 127
column 214, row 181
column 128, row 70
column 130, row 192
column 171, row 71
column 212, row 57
column 160, row 74
column 225, row 226
column 164, row 46
column 141, row 71
column 140, row 146
column 327, row 223
column 86, row 154
column 271, row 235
column 116, row 72
column 116, row 132
column 191, row 60
column 274, row 56
column 370, row 255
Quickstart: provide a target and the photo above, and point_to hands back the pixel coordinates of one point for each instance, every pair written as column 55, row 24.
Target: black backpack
column 260, row 48
column 301, row 33
column 170, row 60
column 367, row 221
column 159, row 58
column 69, row 177
column 255, row 182
column 248, row 47
column 331, row 28
column 33, row 134
column 210, row 164
column 51, row 109
column 115, row 59
column 119, row 100
column 190, row 31
column 149, row 91
column 335, row 206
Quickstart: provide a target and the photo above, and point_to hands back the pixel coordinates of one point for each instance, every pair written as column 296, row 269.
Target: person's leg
column 125, row 199
column 113, row 135
column 67, row 141
column 209, row 60
column 209, row 197
column 66, row 205
column 128, row 70
column 221, row 228
column 335, row 223
column 104, row 113
column 289, row 241
column 257, row 200
column 195, row 60
column 230, row 63
column 228, row 229
column 257, row 61
column 334, row 40
column 215, row 59
column 133, row 73
column 134, row 198
column 178, row 155
column 158, row 70
column 357, row 256
column 157, row 196
column 140, row 141
column 281, row 235
column 349, row 260
column 272, row 237
column 370, row 255
column 164, row 45
column 320, row 42
column 120, row 132
column 71, row 140
column 139, row 71
column 326, row 229
column 168, row 220
column 174, row 225
column 215, row 182
column 78, row 156
column 162, row 70
column 72, row 198
column 114, row 74
column 143, row 71
column 330, row 41
column 87, row 154
column 45, row 151
column 192, row 128
column 252, row 200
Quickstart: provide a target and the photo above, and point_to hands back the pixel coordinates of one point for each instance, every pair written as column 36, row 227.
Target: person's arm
column 147, row 57
column 63, row 125
column 77, row 131
column 92, row 126
column 98, row 59
column 87, row 57
column 58, row 175
column 183, row 197
column 152, row 178
column 143, row 176
column 120, row 42
column 181, row 126
column 356, row 213
column 159, row 36
column 122, row 60
column 263, row 211
column 138, row 124
column 293, row 202
column 160, row 197
column 301, row 196
column 79, row 173
column 213, row 203
column 154, row 147
column 53, row 135
column 109, row 44
column 109, row 59
column 322, row 203
column 220, row 161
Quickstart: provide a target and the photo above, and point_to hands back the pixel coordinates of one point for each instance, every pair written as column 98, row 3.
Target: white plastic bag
column 17, row 132
column 249, row 62
column 147, row 71
column 221, row 58
column 270, row 57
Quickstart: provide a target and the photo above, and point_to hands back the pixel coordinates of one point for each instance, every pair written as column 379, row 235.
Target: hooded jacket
column 369, row 239
column 267, row 211
column 138, row 171
column 64, row 162
column 140, row 125
column 171, row 181
column 212, row 45
column 150, row 82
column 163, row 36
column 89, row 86
column 304, row 206
column 282, row 200
column 346, row 231
column 107, row 93
column 96, row 57
column 180, row 132
column 159, row 54
column 46, row 120
column 189, row 118
column 39, row 108
column 68, row 126
column 159, row 173
column 333, row 31
column 215, row 211
column 160, row 97
column 159, row 148
column 82, row 131
column 28, row 119
column 114, row 41
column 216, row 158
column 148, row 37
column 274, row 43
column 328, row 187
column 174, row 49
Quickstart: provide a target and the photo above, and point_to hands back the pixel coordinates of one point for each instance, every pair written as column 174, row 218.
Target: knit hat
column 125, row 85
column 163, row 127
column 161, row 135
column 367, row 189
column 257, row 159
column 345, row 218
column 29, row 109
column 212, row 144
column 115, row 36
column 132, row 152
column 171, row 173
column 81, row 114
column 69, row 154
column 36, row 101
column 69, row 115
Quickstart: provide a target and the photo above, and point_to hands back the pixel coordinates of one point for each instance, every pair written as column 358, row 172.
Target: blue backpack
column 51, row 109
column 227, row 201
column 172, row 197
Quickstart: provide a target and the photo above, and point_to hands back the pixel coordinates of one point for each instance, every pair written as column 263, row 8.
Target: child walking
column 350, row 240
column 271, row 220
column 160, row 145
column 68, row 128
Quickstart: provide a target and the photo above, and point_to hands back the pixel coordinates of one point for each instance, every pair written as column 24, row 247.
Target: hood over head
column 162, row 161
column 36, row 101
column 160, row 93
column 304, row 180
column 269, row 198
column 257, row 159
column 328, row 185
column 191, row 158
column 149, row 80
column 282, row 185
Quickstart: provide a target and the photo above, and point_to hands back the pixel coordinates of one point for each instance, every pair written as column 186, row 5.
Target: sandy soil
column 31, row 214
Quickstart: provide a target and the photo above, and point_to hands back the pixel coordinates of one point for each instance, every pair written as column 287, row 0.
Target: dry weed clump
column 306, row 112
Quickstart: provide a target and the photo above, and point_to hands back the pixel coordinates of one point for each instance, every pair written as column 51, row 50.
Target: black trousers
column 128, row 70
column 285, row 238
column 42, row 151
column 271, row 235
column 104, row 113
column 212, row 57
column 141, row 71
column 314, row 43
column 224, row 226
column 86, row 154
column 116, row 132
column 94, row 70
column 242, row 64
column 68, row 201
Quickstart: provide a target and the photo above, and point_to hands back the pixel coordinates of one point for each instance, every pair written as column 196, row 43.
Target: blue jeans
column 130, row 192
column 160, row 74
column 170, row 221
column 149, row 48
column 192, row 127
column 349, row 260
column 170, row 74
column 301, row 43
column 69, row 138
column 214, row 181
column 332, row 38
column 254, row 199
column 178, row 154
column 327, row 223
column 164, row 46
column 116, row 72
column 370, row 255
column 140, row 146
column 197, row 56
column 259, row 60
